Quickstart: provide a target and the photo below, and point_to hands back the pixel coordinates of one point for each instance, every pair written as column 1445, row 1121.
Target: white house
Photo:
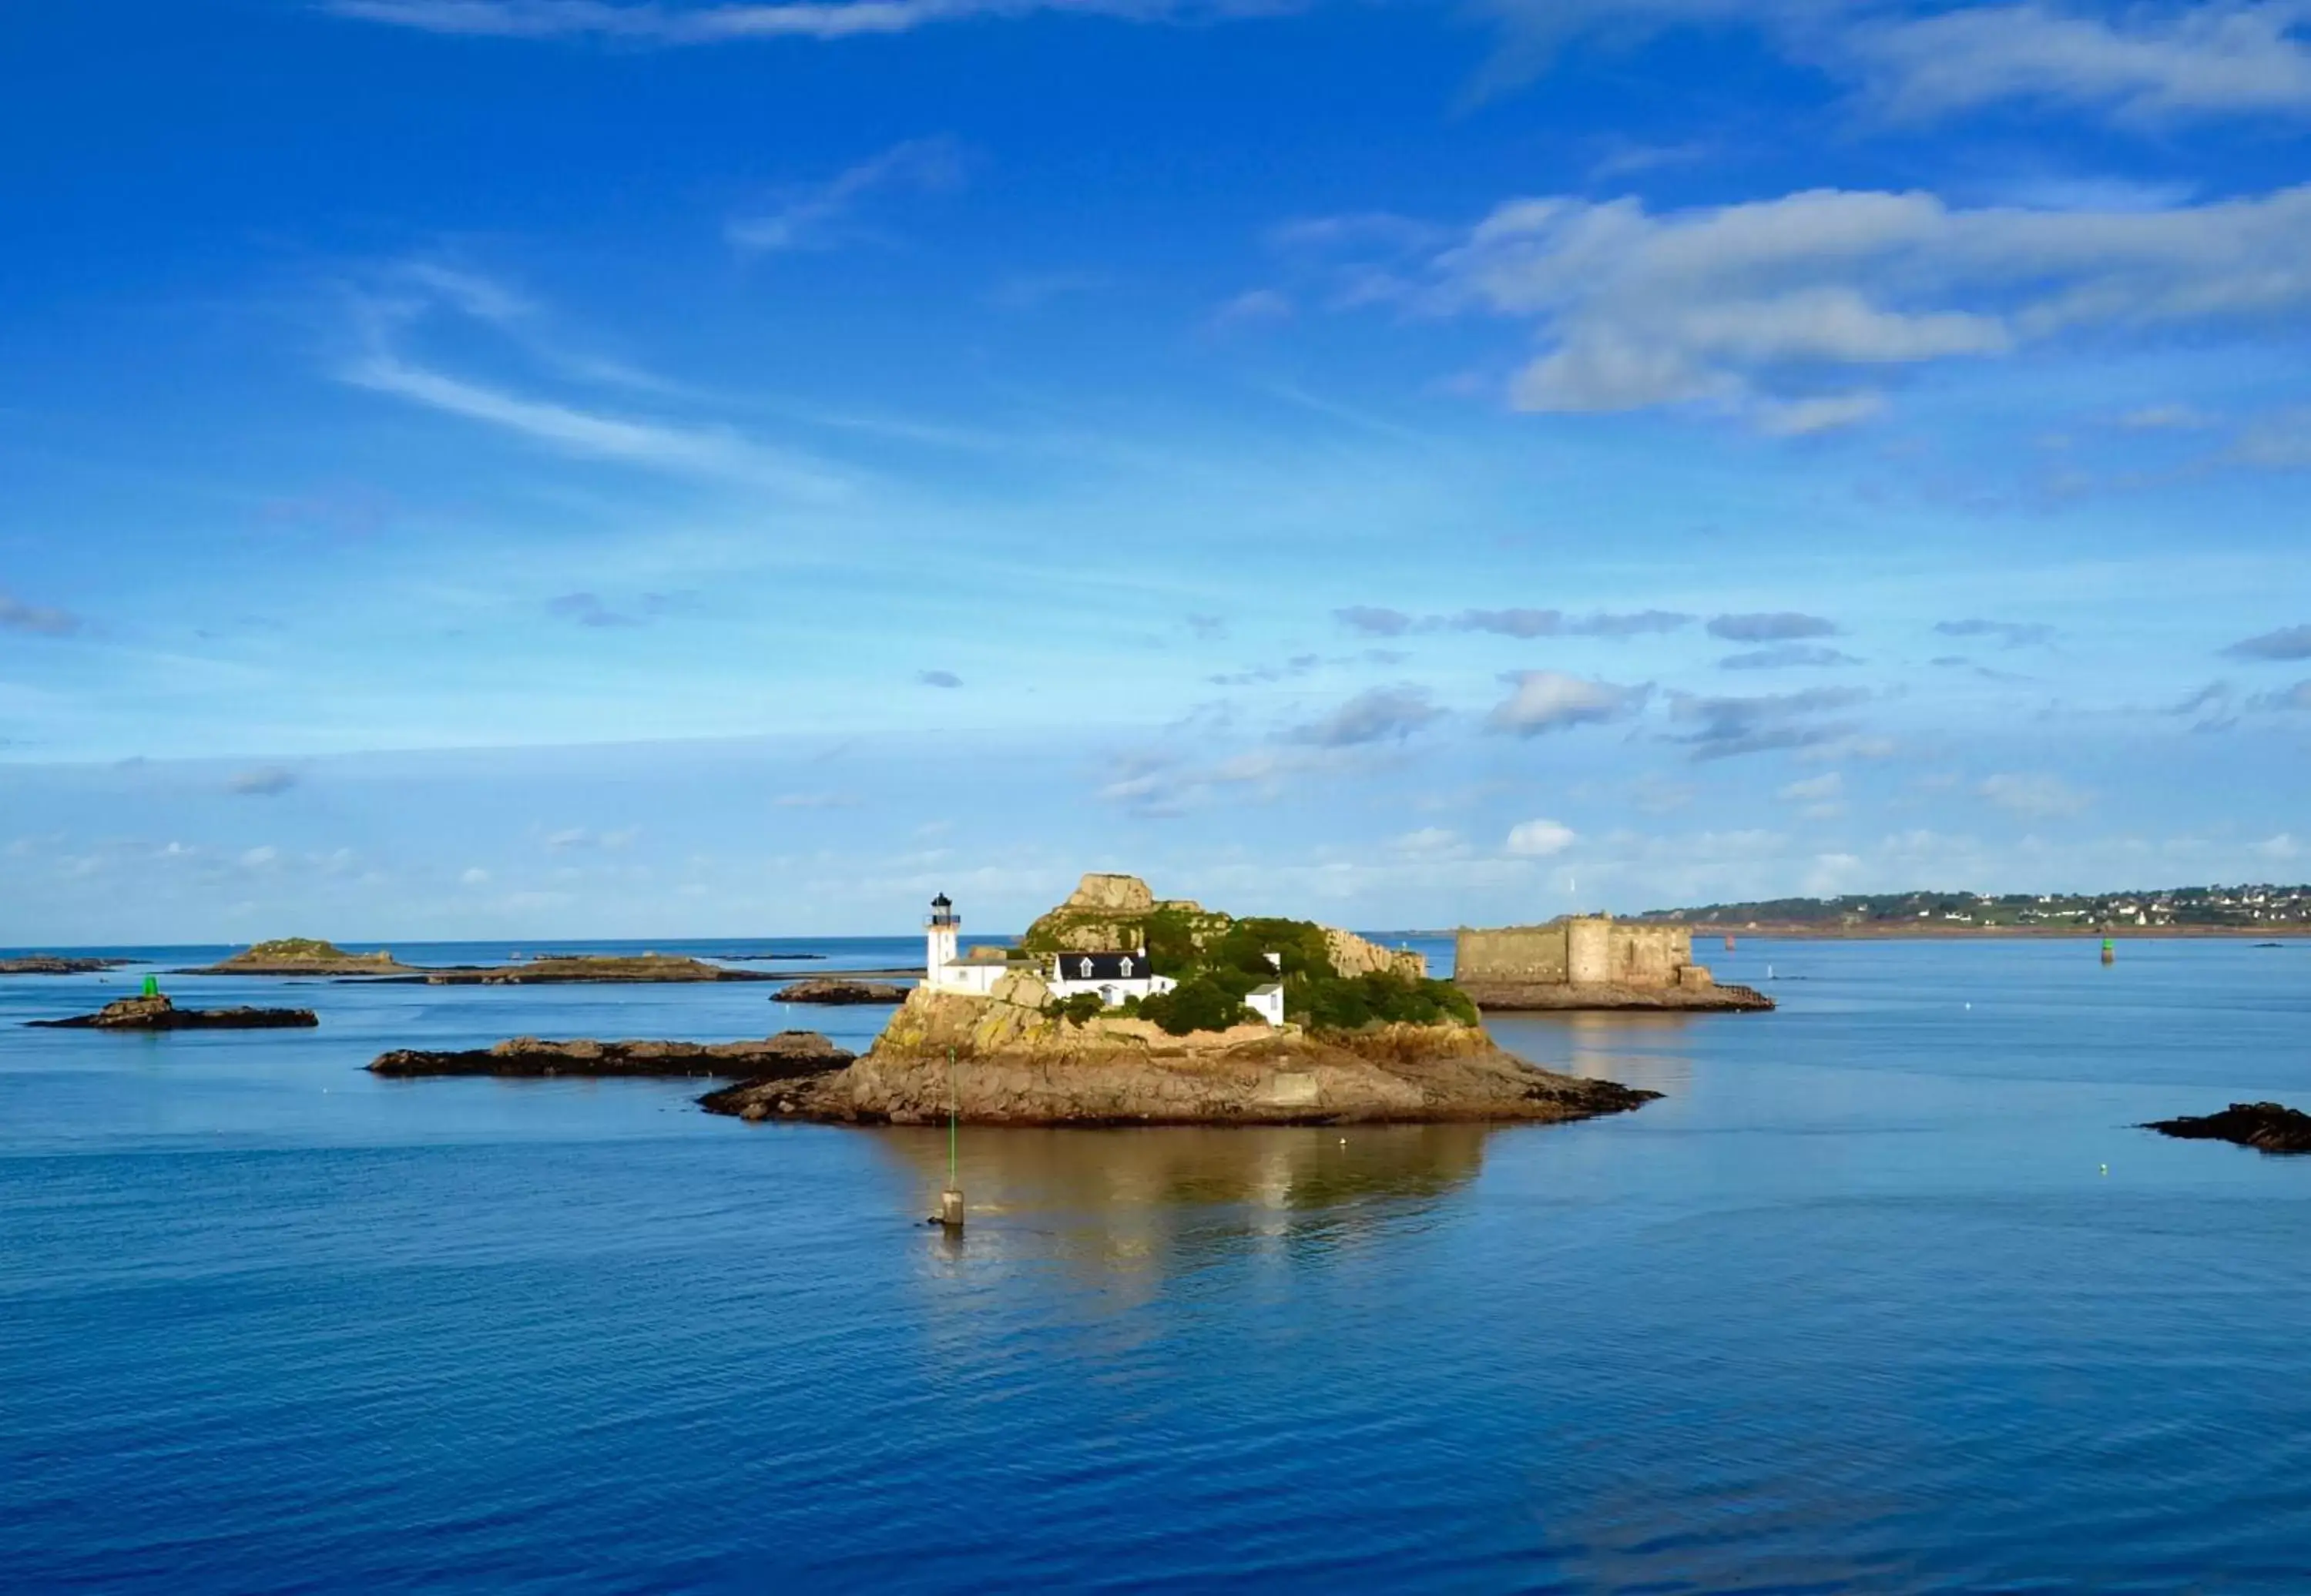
column 1113, row 977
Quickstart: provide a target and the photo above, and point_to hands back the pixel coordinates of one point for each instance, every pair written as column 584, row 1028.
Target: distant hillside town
column 2182, row 908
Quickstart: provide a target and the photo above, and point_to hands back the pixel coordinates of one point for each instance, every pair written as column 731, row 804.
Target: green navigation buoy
column 152, row 986
column 2109, row 952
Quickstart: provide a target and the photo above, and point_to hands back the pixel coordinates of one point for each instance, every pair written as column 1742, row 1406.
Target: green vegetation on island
column 1219, row 960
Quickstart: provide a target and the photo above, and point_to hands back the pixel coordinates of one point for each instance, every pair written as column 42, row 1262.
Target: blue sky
column 539, row 468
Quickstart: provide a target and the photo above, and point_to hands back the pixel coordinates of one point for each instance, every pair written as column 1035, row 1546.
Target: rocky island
column 48, row 963
column 789, row 1054
column 156, row 1013
column 2266, row 1127
column 840, row 990
column 1117, row 1009
column 303, row 955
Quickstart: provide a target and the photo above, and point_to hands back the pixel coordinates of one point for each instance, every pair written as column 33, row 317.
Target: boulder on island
column 156, row 1013
column 2266, row 1127
column 786, row 1055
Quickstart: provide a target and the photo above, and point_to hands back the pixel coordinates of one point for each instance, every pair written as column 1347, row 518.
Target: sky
column 599, row 469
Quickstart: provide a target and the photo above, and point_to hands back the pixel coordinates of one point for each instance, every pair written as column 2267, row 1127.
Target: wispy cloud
column 938, row 678
column 821, row 216
column 1545, row 701
column 37, row 620
column 266, row 781
column 2142, row 63
column 1786, row 655
column 2011, row 634
column 2289, row 643
column 1374, row 621
column 1380, row 714
column 715, row 453
column 2034, row 797
column 1725, row 726
column 1779, row 626
column 664, row 24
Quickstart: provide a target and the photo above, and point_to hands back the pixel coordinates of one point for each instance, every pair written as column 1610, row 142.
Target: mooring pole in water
column 950, row 1213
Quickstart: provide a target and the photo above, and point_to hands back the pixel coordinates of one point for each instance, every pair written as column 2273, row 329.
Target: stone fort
column 1579, row 951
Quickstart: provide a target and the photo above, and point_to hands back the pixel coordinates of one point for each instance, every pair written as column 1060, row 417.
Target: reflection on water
column 1652, row 1051
column 1178, row 1195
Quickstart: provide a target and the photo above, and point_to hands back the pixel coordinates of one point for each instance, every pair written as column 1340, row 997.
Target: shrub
column 1078, row 1010
column 1198, row 1003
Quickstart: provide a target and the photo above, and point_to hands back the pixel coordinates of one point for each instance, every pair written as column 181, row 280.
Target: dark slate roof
column 1104, row 966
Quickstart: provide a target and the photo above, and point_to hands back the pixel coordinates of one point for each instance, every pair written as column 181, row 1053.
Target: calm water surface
column 1854, row 1308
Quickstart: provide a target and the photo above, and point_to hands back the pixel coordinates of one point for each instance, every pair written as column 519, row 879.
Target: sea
column 1887, row 1293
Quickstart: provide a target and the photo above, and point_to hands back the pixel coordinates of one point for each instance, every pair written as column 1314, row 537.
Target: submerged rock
column 158, row 1014
column 788, row 1055
column 2267, row 1126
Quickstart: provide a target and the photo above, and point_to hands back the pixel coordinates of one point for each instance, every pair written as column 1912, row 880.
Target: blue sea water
column 1854, row 1307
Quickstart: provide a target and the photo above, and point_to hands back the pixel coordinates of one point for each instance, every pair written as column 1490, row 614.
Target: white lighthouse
column 942, row 930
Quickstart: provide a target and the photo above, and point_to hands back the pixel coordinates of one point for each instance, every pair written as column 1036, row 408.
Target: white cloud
column 2152, row 65
column 2279, row 848
column 1540, row 839
column 1779, row 310
column 2034, row 797
column 475, row 876
column 1379, row 714
column 1550, row 701
column 818, row 217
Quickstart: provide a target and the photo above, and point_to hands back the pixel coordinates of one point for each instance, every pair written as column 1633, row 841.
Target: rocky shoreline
column 786, row 1056
column 1541, row 997
column 159, row 1014
column 1014, row 1064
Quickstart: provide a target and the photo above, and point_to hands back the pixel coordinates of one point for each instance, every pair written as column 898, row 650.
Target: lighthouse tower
column 942, row 928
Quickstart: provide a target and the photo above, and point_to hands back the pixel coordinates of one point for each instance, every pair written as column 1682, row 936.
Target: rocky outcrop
column 1099, row 893
column 45, row 963
column 1541, row 997
column 2266, row 1127
column 303, row 955
column 789, row 1055
column 1355, row 955
column 1014, row 1064
column 835, row 989
column 158, row 1014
